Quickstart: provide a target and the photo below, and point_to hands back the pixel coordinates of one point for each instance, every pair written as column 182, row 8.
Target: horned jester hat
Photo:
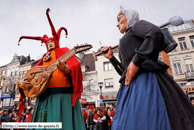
column 73, row 63
column 45, row 39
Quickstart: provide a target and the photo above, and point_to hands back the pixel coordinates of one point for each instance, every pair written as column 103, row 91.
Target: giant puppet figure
column 59, row 102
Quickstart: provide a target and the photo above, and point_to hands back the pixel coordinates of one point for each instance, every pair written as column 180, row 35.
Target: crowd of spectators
column 98, row 118
column 12, row 115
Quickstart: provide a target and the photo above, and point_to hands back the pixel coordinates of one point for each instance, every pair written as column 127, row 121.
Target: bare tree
column 10, row 86
column 88, row 88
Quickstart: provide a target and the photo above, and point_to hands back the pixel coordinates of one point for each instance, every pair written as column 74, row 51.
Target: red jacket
column 18, row 120
column 29, row 118
column 111, row 114
column 85, row 116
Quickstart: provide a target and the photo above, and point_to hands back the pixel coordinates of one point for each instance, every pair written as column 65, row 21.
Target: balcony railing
column 189, row 75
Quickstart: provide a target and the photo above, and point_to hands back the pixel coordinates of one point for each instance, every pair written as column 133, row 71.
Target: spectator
column 23, row 114
column 99, row 117
column 9, row 111
column 14, row 107
column 17, row 118
column 12, row 116
column 28, row 119
column 85, row 115
column 21, row 119
column 111, row 114
column 91, row 122
column 105, row 122
column 5, row 116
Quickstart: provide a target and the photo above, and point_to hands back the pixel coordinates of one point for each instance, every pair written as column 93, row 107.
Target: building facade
column 11, row 79
column 3, row 71
column 23, row 69
column 182, row 58
column 110, row 78
column 89, row 95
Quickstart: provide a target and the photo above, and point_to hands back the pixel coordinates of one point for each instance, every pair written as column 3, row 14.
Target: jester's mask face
column 51, row 44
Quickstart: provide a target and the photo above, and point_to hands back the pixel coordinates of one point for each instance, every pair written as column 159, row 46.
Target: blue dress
column 140, row 105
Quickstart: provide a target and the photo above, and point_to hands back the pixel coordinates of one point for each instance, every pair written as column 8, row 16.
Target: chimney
column 28, row 58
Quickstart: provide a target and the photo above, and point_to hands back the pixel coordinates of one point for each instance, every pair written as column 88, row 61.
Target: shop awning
column 7, row 95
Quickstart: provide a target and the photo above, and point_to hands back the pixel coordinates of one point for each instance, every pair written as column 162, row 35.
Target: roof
column 22, row 59
column 89, row 62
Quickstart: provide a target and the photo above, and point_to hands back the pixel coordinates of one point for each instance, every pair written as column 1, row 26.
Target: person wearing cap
column 5, row 116
column 60, row 101
column 148, row 98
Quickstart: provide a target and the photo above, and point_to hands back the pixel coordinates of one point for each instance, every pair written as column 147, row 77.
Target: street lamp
column 100, row 84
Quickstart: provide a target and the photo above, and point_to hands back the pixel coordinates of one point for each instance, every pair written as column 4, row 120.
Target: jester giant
column 60, row 101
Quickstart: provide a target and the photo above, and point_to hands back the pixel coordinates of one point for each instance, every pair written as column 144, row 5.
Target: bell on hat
column 169, row 42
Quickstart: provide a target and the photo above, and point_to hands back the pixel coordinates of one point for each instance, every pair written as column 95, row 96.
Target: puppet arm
column 109, row 55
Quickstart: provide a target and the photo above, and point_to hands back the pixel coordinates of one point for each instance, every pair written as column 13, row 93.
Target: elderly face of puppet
column 51, row 44
column 122, row 23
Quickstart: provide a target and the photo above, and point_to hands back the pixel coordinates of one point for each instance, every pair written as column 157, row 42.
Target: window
column 3, row 73
column 177, row 68
column 92, row 85
column 108, row 83
column 173, row 29
column 24, row 73
column 177, row 28
column 17, row 91
column 7, row 101
column 188, row 25
column 2, row 77
column 192, row 40
column 20, row 74
column 6, row 89
column 1, row 82
column 16, row 71
column 189, row 65
column 182, row 27
column 12, row 72
column 182, row 43
column 107, row 66
column 160, row 57
column 8, row 72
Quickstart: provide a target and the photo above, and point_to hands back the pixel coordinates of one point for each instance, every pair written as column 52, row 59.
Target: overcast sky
column 87, row 21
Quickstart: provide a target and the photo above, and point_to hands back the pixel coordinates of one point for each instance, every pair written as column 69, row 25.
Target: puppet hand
column 107, row 50
column 24, row 84
column 132, row 69
column 62, row 67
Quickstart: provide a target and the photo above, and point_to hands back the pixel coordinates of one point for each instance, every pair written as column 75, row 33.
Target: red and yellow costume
column 59, row 102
